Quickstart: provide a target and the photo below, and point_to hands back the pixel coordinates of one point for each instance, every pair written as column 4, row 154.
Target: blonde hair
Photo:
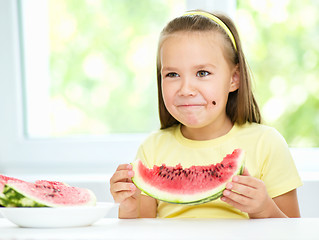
column 241, row 105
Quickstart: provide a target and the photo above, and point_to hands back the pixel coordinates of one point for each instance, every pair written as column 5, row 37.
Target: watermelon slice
column 42, row 193
column 194, row 185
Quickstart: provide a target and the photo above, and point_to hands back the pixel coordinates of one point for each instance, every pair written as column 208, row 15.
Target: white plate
column 43, row 217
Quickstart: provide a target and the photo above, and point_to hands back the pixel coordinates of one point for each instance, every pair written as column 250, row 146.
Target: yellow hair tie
column 216, row 20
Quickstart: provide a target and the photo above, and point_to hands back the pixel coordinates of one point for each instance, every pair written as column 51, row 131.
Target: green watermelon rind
column 216, row 193
column 3, row 201
column 16, row 198
column 13, row 198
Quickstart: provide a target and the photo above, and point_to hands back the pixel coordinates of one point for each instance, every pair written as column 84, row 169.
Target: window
column 90, row 65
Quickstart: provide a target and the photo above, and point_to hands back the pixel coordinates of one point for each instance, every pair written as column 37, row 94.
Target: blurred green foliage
column 281, row 39
column 103, row 64
column 103, row 56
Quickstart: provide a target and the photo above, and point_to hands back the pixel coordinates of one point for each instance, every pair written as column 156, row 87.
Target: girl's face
column 196, row 79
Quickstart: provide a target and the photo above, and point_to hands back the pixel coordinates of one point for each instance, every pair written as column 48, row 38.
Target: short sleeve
column 278, row 169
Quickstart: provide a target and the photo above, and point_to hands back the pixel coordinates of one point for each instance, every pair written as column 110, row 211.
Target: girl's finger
column 122, row 186
column 124, row 167
column 121, row 196
column 233, row 203
column 244, row 190
column 121, row 175
column 247, row 180
column 242, row 200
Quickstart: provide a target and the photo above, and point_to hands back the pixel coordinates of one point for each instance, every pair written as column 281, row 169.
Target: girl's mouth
column 190, row 105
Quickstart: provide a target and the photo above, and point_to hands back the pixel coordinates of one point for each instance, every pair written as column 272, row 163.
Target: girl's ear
column 235, row 80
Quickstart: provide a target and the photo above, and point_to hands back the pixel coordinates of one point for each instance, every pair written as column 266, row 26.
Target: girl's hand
column 124, row 191
column 249, row 194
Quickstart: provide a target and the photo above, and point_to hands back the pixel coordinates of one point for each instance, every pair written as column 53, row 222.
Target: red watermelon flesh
column 194, row 185
column 50, row 183
column 4, row 179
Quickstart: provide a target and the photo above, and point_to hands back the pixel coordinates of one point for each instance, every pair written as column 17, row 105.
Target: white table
column 111, row 228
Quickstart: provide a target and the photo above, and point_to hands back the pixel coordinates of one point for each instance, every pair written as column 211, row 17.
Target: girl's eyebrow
column 200, row 66
column 168, row 69
column 204, row 66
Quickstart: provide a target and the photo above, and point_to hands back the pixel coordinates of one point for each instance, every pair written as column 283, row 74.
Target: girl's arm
column 288, row 204
column 249, row 194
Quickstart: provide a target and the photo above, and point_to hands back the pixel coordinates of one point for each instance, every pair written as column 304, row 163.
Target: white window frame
column 20, row 154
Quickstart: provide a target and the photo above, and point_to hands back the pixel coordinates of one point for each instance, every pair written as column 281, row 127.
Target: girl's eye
column 172, row 75
column 202, row 73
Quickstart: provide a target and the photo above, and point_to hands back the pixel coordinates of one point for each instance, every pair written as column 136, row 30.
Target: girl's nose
column 187, row 88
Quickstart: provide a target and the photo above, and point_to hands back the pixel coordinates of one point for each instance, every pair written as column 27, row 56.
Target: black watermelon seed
column 50, row 195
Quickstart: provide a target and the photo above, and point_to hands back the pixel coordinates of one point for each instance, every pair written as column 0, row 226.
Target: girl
column 207, row 109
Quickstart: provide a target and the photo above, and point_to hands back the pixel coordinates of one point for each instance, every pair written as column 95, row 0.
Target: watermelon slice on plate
column 18, row 193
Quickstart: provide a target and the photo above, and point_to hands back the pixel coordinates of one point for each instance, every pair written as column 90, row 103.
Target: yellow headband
column 216, row 20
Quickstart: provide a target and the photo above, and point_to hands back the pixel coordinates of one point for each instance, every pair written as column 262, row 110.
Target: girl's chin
column 193, row 125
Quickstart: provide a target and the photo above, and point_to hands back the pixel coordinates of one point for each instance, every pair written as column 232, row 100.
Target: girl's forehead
column 207, row 38
column 203, row 44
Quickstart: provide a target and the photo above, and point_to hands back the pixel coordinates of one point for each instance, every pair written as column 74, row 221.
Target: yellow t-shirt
column 267, row 157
